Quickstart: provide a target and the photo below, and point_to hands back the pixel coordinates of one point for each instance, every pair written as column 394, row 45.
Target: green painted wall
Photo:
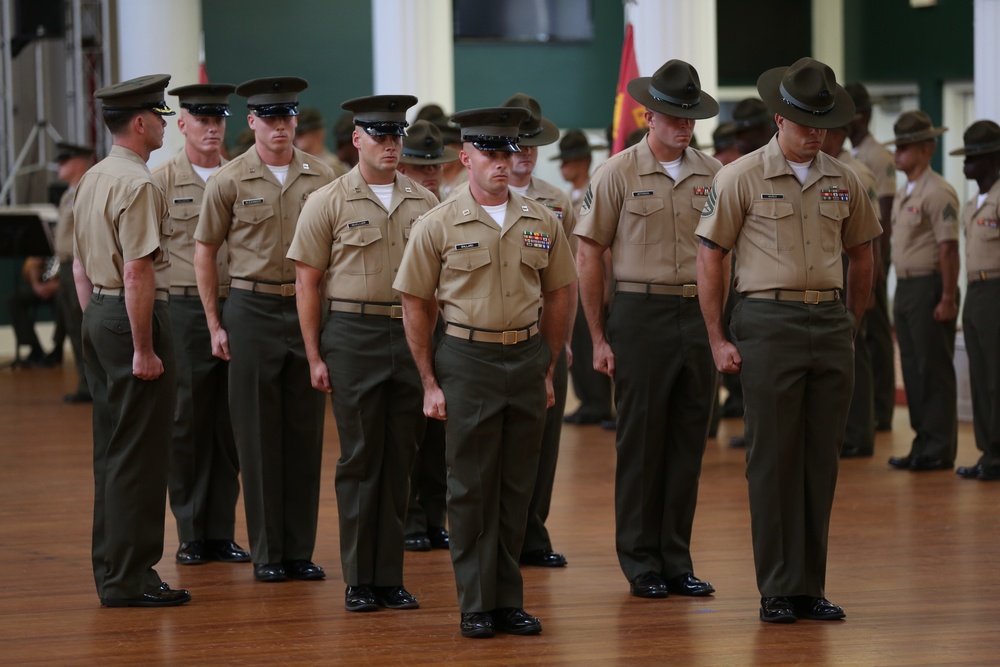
column 327, row 42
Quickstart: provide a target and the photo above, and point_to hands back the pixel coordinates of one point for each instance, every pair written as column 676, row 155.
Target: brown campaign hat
column 492, row 129
column 309, row 119
column 144, row 93
column 750, row 112
column 535, row 130
column 913, row 127
column 67, row 151
column 381, row 114
column 980, row 138
column 574, row 145
column 674, row 90
column 806, row 93
column 273, row 96
column 858, row 93
column 724, row 136
column 205, row 99
column 423, row 145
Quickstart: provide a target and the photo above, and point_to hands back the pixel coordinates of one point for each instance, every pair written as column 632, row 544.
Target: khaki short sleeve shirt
column 63, row 238
column 921, row 222
column 786, row 235
column 646, row 218
column 982, row 233
column 344, row 228
column 245, row 205
column 120, row 215
column 184, row 191
column 877, row 157
column 485, row 277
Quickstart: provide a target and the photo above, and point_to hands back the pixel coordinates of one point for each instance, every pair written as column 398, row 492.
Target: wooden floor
column 914, row 560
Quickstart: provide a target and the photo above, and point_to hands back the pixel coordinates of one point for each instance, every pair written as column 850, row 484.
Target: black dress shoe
column 191, row 553
column 269, row 572
column 690, row 585
column 416, row 542
column 77, row 397
column 515, row 621
column 922, row 464
column 303, row 570
column 609, row 424
column 394, row 597
column 739, row 442
column 777, row 610
column 543, row 558
column 226, row 551
column 988, row 473
column 816, row 609
column 969, row 472
column 438, row 537
column 360, row 598
column 882, row 427
column 582, row 418
column 901, row 462
column 649, row 585
column 854, row 453
column 477, row 625
column 164, row 596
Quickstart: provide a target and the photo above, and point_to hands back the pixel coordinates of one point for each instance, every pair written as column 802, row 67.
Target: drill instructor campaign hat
column 806, row 93
column 674, row 90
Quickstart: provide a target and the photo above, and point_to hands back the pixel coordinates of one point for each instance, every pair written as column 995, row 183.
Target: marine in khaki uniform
column 925, row 220
column 859, row 434
column 490, row 258
column 537, row 131
column 121, row 269
column 787, row 211
column 877, row 330
column 310, row 137
column 252, row 204
column 204, row 468
column 347, row 248
column 644, row 204
column 73, row 161
column 981, row 316
column 423, row 160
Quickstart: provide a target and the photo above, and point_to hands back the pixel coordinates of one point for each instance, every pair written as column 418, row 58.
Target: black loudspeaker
column 49, row 15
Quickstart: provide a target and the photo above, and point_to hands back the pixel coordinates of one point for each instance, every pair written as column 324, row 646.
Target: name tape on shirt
column 834, row 193
column 359, row 223
column 771, row 195
column 466, row 246
column 250, row 202
column 537, row 240
column 642, row 193
column 184, row 200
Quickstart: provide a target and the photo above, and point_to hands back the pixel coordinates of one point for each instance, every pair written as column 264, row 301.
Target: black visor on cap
column 207, row 109
column 383, row 128
column 270, row 110
column 486, row 142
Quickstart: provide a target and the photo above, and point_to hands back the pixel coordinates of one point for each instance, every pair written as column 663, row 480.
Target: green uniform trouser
column 278, row 423
column 878, row 340
column 204, row 468
column 68, row 304
column 664, row 391
column 495, row 398
column 131, row 447
column 592, row 387
column 860, row 431
column 429, row 479
column 981, row 327
column 798, row 377
column 378, row 405
column 536, row 535
column 926, row 353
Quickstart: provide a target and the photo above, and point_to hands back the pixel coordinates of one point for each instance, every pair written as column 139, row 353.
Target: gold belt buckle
column 508, row 337
column 396, row 312
column 689, row 291
column 287, row 289
column 811, row 297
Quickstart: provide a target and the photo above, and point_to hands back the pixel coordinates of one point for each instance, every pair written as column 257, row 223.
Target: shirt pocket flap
column 773, row 210
column 834, row 210
column 184, row 212
column 468, row 260
column 698, row 203
column 254, row 214
column 361, row 236
column 536, row 258
column 643, row 205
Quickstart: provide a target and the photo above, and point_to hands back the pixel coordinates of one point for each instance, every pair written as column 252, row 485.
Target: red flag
column 629, row 114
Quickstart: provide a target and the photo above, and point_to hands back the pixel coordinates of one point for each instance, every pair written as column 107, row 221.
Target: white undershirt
column 980, row 199
column 801, row 170
column 523, row 191
column 673, row 169
column 205, row 172
column 497, row 213
column 384, row 193
column 909, row 187
column 280, row 173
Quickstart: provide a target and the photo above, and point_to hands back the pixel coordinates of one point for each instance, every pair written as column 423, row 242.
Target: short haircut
column 117, row 120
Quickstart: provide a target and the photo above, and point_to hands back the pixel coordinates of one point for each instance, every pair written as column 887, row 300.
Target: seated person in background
column 41, row 282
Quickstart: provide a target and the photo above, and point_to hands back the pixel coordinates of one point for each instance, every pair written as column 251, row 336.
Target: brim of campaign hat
column 916, row 137
column 977, row 149
column 576, row 153
column 707, row 106
column 547, row 134
column 769, row 89
column 447, row 154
